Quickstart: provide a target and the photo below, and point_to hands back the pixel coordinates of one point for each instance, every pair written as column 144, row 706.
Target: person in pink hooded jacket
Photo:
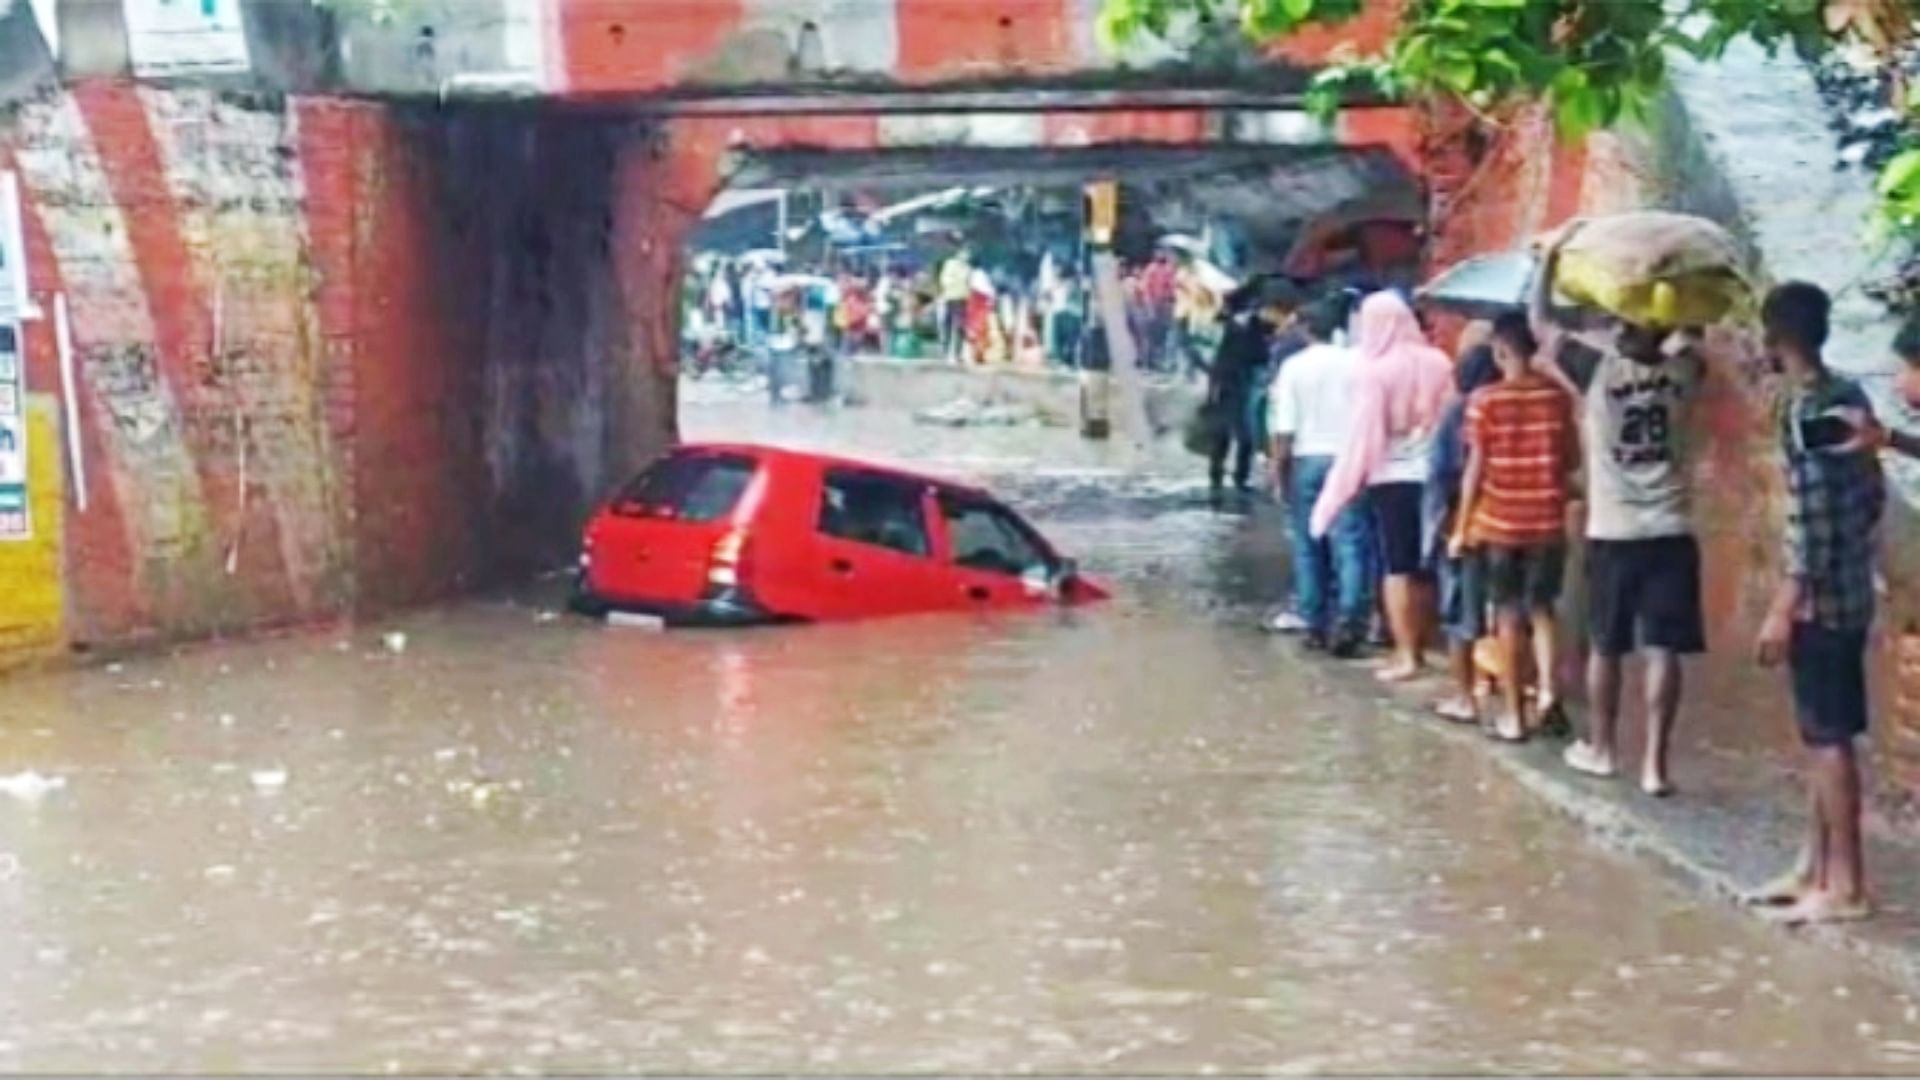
column 1400, row 392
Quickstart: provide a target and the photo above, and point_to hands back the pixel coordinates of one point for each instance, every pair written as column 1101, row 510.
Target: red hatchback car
column 734, row 535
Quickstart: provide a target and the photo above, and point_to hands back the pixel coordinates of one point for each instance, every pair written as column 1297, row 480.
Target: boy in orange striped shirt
column 1522, row 449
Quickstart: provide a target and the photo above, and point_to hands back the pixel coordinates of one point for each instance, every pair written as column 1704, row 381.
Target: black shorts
column 1645, row 594
column 1525, row 577
column 1396, row 518
column 1829, row 672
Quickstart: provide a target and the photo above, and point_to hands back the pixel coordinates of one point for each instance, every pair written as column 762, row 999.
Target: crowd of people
column 1032, row 311
column 1437, row 493
column 954, row 309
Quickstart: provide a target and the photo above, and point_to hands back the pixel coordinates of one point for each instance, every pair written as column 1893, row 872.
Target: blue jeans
column 1341, row 564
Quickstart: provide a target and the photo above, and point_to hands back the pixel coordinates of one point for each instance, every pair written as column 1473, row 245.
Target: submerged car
column 728, row 535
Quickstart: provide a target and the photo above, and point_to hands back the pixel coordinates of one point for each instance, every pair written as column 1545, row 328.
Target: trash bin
column 1096, row 409
column 779, row 370
column 1095, row 422
column 820, row 376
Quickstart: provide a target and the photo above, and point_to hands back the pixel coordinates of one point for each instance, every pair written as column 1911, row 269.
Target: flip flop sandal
column 1500, row 734
column 1807, row 913
column 1580, row 758
column 1554, row 723
column 1783, row 891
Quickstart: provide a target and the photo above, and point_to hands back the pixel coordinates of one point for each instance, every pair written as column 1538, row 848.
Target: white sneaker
column 1284, row 621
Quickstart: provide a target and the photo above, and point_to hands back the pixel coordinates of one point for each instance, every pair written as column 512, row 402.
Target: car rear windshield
column 696, row 487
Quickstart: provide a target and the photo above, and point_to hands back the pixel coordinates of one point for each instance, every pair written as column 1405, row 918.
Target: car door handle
column 841, row 566
column 979, row 593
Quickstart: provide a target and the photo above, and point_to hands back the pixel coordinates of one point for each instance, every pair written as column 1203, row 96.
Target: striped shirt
column 1523, row 430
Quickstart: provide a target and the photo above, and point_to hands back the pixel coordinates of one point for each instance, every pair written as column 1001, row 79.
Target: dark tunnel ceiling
column 1271, row 190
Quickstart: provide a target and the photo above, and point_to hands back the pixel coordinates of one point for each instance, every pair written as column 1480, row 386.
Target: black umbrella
column 1484, row 286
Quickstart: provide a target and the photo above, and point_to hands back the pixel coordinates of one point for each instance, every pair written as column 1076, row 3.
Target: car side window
column 868, row 508
column 988, row 537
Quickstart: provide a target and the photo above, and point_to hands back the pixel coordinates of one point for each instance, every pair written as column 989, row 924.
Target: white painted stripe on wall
column 964, row 129
column 523, row 37
column 1283, row 127
column 157, row 489
column 854, row 35
column 234, row 174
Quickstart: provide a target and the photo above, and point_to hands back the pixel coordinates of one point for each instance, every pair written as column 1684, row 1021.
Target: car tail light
column 727, row 563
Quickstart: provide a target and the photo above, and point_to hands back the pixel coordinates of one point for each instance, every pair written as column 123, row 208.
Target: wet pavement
column 1136, row 838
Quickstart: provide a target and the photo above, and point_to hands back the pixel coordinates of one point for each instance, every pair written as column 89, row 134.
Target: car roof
column 825, row 461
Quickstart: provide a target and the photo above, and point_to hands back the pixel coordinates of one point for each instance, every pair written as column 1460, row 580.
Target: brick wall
column 329, row 355
column 1527, row 182
column 171, row 223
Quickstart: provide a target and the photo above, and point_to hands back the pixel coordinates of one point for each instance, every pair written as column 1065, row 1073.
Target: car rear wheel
column 582, row 601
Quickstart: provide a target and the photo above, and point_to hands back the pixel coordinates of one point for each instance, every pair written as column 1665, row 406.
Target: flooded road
column 1136, row 838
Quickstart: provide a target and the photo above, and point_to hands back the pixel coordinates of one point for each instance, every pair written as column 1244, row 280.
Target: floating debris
column 31, row 786
column 268, row 780
column 966, row 412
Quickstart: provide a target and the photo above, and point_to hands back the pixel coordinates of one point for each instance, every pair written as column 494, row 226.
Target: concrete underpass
column 332, row 330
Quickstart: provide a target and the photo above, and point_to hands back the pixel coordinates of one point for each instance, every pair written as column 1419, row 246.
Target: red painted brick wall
column 330, row 355
column 171, row 223
column 611, row 47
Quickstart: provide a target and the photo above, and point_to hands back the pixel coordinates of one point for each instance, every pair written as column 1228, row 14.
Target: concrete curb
column 1679, row 841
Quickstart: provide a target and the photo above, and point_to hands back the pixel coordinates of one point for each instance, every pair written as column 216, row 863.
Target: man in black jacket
column 1258, row 337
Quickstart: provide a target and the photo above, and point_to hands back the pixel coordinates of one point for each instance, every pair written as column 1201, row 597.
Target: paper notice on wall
column 15, row 520
column 178, row 37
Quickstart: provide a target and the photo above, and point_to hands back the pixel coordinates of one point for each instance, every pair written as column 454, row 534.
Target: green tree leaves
column 1595, row 62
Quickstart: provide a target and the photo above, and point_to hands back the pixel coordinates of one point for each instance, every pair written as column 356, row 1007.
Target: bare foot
column 1783, row 891
column 1583, row 758
column 1399, row 671
column 1820, row 906
column 1655, row 785
column 1460, row 710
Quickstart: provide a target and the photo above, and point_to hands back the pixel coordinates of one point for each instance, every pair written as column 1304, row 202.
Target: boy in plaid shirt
column 1821, row 614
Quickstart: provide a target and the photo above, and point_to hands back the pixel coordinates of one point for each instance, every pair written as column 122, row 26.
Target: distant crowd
column 959, row 308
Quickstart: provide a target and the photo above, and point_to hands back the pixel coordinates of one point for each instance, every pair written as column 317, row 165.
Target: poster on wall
column 16, row 522
column 179, row 37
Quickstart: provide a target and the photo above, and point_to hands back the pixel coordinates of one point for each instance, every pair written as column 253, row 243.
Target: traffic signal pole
column 1111, row 399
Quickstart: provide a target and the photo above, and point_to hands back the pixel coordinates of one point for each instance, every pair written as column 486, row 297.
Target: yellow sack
column 1655, row 268
column 1690, row 300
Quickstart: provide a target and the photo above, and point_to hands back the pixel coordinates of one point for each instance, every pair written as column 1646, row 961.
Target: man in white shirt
column 759, row 290
column 1309, row 409
column 720, row 299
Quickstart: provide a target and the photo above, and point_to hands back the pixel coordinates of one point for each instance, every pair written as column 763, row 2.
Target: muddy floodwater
column 1137, row 838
